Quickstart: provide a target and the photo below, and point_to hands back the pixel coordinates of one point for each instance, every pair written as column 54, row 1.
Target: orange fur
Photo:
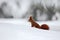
column 34, row 24
column 45, row 26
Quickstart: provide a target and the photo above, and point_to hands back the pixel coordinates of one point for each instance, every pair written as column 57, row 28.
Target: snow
column 20, row 29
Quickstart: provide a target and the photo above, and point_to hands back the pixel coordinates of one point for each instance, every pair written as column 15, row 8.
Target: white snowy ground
column 18, row 29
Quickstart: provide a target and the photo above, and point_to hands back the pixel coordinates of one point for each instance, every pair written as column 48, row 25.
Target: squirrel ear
column 30, row 17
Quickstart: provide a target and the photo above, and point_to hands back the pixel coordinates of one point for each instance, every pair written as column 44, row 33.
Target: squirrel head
column 30, row 19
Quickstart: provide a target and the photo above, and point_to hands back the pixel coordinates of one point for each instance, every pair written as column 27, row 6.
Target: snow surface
column 19, row 29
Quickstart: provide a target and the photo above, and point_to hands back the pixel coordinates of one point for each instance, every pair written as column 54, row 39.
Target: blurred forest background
column 41, row 10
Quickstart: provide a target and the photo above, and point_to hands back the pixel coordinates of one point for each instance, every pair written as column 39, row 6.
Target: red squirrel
column 36, row 25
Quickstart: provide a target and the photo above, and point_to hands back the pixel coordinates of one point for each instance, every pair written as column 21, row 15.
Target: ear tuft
column 30, row 17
